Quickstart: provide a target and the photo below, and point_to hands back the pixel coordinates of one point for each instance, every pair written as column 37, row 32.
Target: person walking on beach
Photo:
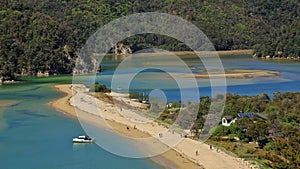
column 196, row 152
column 210, row 147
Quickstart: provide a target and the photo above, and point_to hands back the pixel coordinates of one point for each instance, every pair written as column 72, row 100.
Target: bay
column 34, row 135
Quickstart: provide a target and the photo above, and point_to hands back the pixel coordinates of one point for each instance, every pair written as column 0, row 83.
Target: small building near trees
column 228, row 120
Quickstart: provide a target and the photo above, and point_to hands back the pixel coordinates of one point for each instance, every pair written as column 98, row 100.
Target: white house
column 228, row 120
column 169, row 105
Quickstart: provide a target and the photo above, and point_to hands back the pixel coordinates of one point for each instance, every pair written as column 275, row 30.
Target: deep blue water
column 150, row 79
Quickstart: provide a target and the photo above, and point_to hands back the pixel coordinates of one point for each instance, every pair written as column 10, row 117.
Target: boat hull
column 76, row 140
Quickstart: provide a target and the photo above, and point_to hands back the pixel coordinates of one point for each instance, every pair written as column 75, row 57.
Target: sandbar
column 237, row 74
column 181, row 156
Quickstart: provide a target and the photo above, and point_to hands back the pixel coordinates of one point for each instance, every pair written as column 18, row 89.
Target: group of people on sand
column 210, row 147
column 134, row 127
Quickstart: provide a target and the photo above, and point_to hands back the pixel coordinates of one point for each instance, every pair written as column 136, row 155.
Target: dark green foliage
column 224, row 131
column 99, row 88
column 280, row 20
column 48, row 35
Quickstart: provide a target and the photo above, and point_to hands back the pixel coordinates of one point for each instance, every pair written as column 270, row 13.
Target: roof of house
column 228, row 117
column 262, row 116
column 242, row 115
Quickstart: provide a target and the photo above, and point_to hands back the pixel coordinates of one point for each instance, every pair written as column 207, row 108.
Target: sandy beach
column 181, row 156
column 220, row 53
column 237, row 74
column 192, row 54
column 62, row 104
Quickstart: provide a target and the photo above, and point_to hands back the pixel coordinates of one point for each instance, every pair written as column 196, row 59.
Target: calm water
column 149, row 79
column 34, row 136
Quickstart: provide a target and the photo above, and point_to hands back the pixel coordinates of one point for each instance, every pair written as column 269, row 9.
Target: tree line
column 42, row 35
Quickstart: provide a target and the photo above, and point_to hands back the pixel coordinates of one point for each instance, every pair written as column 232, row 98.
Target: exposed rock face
column 42, row 74
column 121, row 49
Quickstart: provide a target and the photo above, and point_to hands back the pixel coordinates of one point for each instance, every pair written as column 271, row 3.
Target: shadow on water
column 20, row 122
column 30, row 113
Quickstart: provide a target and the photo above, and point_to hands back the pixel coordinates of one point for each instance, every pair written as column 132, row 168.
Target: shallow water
column 33, row 135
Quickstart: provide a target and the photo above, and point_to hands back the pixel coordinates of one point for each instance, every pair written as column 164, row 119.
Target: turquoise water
column 34, row 136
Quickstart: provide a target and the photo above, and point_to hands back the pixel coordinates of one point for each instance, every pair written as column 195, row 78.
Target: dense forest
column 278, row 133
column 42, row 35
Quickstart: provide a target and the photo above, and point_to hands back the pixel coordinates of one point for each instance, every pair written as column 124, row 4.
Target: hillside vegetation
column 42, row 35
column 277, row 133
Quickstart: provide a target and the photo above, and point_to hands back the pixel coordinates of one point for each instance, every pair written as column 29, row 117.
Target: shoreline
column 235, row 52
column 169, row 159
column 62, row 104
column 223, row 53
column 181, row 156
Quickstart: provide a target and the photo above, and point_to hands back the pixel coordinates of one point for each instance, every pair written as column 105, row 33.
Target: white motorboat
column 83, row 139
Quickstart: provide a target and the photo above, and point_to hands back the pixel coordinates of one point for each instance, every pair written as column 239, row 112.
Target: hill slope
column 48, row 35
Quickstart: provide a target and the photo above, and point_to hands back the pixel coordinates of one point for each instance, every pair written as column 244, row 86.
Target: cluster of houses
column 39, row 73
column 228, row 120
column 43, row 74
column 3, row 81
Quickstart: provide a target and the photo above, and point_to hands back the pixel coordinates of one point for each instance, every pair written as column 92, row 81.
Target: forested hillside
column 42, row 35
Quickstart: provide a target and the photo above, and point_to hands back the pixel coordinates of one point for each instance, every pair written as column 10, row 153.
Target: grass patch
column 247, row 151
column 58, row 79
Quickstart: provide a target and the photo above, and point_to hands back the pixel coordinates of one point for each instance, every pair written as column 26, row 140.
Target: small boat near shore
column 83, row 139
